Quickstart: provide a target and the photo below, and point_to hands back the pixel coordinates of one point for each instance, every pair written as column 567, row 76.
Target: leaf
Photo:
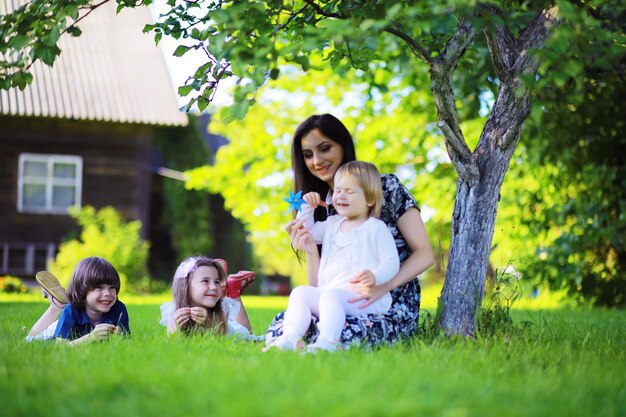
column 185, row 90
column 20, row 41
column 202, row 103
column 181, row 50
column 74, row 31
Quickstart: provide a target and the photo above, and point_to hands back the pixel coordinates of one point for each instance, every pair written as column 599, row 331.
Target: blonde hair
column 368, row 177
column 216, row 321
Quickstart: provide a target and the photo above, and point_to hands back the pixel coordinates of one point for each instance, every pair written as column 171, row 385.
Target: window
column 49, row 183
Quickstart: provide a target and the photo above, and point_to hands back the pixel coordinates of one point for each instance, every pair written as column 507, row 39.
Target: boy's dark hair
column 89, row 274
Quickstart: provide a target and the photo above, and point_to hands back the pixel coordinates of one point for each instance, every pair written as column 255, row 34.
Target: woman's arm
column 301, row 239
column 412, row 227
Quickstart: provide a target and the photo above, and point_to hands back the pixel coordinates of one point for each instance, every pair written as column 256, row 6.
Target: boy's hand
column 102, row 331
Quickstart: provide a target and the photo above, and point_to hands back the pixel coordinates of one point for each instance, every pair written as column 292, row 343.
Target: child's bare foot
column 54, row 303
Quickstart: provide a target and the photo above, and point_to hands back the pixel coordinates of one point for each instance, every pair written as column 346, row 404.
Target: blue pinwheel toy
column 295, row 201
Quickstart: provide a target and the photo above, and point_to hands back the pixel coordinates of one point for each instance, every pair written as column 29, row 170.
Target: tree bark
column 482, row 172
column 473, row 222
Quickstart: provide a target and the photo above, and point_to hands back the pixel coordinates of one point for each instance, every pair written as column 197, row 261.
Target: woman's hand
column 368, row 294
column 182, row 316
column 303, row 240
column 199, row 314
column 300, row 236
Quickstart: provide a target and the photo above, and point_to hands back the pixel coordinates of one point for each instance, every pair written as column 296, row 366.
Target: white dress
column 230, row 308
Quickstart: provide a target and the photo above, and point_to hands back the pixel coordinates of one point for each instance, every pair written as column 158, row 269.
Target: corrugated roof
column 112, row 72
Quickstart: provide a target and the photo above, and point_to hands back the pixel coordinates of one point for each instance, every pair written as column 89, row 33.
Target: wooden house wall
column 116, row 171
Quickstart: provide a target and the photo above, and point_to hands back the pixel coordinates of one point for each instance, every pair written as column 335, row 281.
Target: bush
column 106, row 234
column 12, row 285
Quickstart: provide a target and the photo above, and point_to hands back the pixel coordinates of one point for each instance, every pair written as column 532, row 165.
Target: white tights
column 329, row 305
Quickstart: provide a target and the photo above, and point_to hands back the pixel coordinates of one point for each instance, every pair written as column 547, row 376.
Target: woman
column 321, row 144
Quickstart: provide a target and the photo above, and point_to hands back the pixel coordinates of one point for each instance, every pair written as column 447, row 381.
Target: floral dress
column 401, row 321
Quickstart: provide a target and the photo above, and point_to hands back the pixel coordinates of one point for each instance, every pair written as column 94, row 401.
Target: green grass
column 567, row 363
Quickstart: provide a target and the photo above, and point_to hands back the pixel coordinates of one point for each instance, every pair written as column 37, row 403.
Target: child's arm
column 101, row 332
column 387, row 254
column 306, row 214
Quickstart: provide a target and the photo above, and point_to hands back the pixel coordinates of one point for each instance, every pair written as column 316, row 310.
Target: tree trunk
column 481, row 172
column 474, row 217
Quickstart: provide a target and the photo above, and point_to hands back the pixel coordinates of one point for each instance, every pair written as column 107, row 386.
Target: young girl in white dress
column 358, row 249
column 201, row 303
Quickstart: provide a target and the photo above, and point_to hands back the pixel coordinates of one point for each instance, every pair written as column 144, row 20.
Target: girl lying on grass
column 89, row 310
column 205, row 300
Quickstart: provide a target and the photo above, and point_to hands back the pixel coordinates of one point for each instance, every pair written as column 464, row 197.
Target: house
column 82, row 134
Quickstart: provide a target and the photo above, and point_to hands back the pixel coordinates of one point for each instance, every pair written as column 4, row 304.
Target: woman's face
column 322, row 156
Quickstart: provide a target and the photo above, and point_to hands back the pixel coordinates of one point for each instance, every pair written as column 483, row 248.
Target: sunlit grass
column 544, row 300
column 567, row 363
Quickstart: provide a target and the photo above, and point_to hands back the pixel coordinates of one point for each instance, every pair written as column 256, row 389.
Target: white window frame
column 49, row 181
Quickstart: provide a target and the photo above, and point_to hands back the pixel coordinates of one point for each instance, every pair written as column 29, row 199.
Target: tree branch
column 534, row 37
column 320, row 11
column 441, row 69
column 457, row 45
column 503, row 47
column 292, row 16
column 416, row 47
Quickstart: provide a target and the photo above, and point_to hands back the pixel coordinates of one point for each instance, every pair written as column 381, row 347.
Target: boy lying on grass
column 89, row 309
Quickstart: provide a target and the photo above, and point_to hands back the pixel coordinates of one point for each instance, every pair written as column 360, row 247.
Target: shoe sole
column 51, row 284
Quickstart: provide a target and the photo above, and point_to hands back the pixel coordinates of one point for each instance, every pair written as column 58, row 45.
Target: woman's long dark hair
column 333, row 129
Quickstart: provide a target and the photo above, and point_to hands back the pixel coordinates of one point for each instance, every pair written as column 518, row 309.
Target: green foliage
column 186, row 213
column 31, row 33
column 570, row 192
column 260, row 147
column 106, row 234
column 12, row 285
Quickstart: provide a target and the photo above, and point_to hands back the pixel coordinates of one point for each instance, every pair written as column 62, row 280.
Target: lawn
column 566, row 363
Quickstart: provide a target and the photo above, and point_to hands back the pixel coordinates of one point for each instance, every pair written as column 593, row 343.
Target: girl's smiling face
column 99, row 300
column 322, row 155
column 205, row 288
